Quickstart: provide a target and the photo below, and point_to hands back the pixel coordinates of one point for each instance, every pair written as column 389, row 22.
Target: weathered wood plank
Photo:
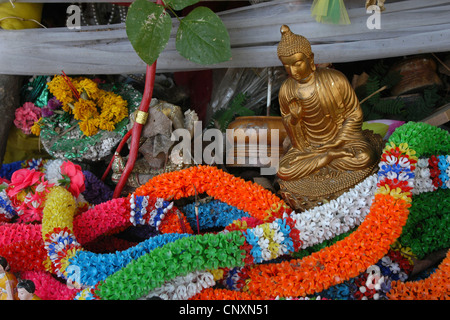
column 407, row 27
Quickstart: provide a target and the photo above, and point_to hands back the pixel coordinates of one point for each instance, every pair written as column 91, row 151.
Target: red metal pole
column 137, row 127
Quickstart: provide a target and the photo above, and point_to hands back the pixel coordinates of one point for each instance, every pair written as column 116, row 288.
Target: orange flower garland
column 346, row 258
column 244, row 195
column 351, row 256
column 435, row 287
column 335, row 264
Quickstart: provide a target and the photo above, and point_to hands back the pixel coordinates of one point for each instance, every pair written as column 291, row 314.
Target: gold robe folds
column 330, row 152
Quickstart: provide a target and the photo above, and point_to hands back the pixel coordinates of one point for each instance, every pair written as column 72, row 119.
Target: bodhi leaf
column 203, row 38
column 180, row 4
column 148, row 27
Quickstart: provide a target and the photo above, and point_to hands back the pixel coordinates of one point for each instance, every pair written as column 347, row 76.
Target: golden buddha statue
column 329, row 151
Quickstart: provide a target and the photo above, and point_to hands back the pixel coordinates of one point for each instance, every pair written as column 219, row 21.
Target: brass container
column 417, row 73
column 247, row 144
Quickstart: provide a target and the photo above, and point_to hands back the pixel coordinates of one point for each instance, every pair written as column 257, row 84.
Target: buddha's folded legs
column 355, row 155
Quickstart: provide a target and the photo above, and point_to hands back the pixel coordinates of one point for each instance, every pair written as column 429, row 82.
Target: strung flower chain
column 64, row 250
column 397, row 193
column 92, row 267
column 374, row 283
column 212, row 214
column 27, row 192
column 435, row 287
column 176, row 258
column 183, row 287
column 280, row 236
column 94, row 108
column 57, row 230
column 336, row 217
column 49, row 288
column 271, row 240
column 427, row 227
column 393, row 195
column 138, row 207
column 140, row 215
column 244, row 195
column 394, row 187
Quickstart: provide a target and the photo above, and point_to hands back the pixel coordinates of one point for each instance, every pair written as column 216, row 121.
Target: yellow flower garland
column 58, row 213
column 59, row 209
column 96, row 109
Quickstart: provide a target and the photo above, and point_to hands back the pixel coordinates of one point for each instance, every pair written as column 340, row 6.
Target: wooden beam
column 439, row 117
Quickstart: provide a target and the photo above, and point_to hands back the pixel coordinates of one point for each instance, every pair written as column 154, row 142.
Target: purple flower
column 96, row 190
column 52, row 104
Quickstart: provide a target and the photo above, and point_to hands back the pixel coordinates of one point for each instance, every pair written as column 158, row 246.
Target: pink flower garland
column 48, row 288
column 104, row 219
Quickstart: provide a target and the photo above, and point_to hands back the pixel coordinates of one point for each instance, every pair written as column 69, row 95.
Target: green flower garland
column 423, row 138
column 428, row 225
column 203, row 252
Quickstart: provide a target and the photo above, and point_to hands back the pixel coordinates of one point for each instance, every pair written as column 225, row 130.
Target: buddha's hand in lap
column 325, row 156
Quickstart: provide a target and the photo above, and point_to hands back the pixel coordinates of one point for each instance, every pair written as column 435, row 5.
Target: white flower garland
column 337, row 216
column 423, row 181
column 183, row 287
column 349, row 210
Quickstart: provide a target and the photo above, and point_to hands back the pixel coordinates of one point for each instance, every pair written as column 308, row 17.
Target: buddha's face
column 298, row 66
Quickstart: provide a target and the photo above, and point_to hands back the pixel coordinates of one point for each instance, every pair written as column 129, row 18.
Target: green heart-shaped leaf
column 180, row 4
column 203, row 38
column 148, row 27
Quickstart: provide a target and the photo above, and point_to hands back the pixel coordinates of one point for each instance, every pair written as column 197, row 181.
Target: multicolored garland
column 354, row 254
column 271, row 231
column 244, row 195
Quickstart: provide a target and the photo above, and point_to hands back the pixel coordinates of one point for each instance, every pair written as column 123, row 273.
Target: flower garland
column 100, row 220
column 212, row 214
column 96, row 109
column 349, row 257
column 341, row 261
column 93, row 268
column 180, row 257
column 7, row 211
column 398, row 198
column 96, row 190
column 66, row 256
column 435, row 287
column 49, row 288
column 374, row 283
column 27, row 192
column 183, row 287
column 244, row 195
column 388, row 213
column 427, row 227
column 57, row 230
column 269, row 239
